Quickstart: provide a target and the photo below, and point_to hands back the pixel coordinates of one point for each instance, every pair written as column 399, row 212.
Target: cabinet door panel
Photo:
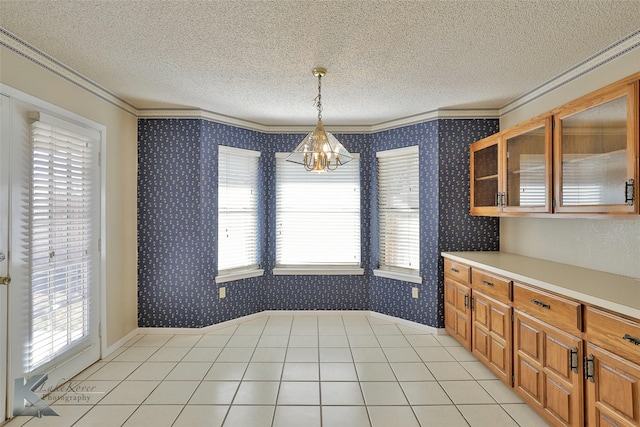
column 543, row 376
column 528, row 166
column 492, row 342
column 558, row 399
column 558, row 355
column 595, row 145
column 457, row 314
column 613, row 398
column 528, row 380
column 528, row 340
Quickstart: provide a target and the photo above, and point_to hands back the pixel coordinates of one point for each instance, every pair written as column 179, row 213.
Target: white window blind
column 317, row 215
column 399, row 210
column 533, row 189
column 237, row 209
column 63, row 237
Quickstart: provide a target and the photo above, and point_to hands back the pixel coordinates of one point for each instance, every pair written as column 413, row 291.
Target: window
column 399, row 214
column 317, row 219
column 63, row 238
column 237, row 214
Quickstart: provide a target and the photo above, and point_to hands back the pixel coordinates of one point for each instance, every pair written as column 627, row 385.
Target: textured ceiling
column 386, row 60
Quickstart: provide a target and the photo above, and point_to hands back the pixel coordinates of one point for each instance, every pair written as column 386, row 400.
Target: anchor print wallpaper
column 177, row 227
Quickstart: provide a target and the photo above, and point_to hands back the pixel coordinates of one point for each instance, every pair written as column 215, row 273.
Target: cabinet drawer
column 492, row 285
column 614, row 333
column 552, row 309
column 457, row 271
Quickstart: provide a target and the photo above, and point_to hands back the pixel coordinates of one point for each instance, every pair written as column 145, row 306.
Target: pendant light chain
column 318, row 100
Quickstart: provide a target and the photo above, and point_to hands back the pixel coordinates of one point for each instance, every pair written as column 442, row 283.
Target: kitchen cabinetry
column 612, row 370
column 596, row 160
column 457, row 302
column 548, row 359
column 527, row 167
column 511, row 170
column 578, row 159
column 574, row 361
column 486, row 179
column 478, row 315
column 491, row 322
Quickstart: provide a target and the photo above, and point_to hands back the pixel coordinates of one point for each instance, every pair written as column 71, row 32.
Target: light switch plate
column 414, row 292
column 222, row 292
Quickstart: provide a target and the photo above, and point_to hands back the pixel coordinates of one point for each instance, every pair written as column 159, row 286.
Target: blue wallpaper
column 177, row 226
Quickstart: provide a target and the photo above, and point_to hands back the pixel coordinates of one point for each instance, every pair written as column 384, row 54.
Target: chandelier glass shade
column 320, row 151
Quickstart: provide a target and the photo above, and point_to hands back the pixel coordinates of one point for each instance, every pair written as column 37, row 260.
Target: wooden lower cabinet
column 613, row 389
column 491, row 332
column 548, row 370
column 457, row 312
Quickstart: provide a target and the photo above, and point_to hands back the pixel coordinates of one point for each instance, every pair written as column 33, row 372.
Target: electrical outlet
column 222, row 292
column 414, row 292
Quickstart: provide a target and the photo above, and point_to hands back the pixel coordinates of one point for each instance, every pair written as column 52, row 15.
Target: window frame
column 390, row 271
column 320, row 269
column 253, row 269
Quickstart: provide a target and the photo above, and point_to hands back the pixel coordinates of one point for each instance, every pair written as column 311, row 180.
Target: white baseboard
column 116, row 345
column 303, row 313
column 275, row 313
column 408, row 323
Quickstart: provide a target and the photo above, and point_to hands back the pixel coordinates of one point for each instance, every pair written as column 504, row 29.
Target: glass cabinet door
column 596, row 154
column 485, row 180
column 528, row 167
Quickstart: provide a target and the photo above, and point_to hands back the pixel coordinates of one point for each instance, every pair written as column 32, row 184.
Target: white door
column 4, row 249
column 54, row 228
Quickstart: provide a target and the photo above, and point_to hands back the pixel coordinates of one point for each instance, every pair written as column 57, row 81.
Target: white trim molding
column 397, row 275
column 33, row 54
column 318, row 271
column 621, row 47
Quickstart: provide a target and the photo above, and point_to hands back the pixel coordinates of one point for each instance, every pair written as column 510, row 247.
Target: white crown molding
column 621, row 47
column 168, row 113
column 443, row 113
column 45, row 61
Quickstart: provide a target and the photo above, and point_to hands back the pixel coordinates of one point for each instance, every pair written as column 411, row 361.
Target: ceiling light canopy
column 320, row 151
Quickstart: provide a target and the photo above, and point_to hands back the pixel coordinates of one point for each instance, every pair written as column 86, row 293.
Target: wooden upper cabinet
column 486, row 179
column 511, row 170
column 580, row 158
column 596, row 152
column 527, row 167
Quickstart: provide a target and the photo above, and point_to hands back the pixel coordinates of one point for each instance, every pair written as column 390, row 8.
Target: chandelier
column 320, row 151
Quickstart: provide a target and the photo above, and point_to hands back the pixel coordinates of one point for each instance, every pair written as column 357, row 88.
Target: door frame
column 5, row 155
column 15, row 341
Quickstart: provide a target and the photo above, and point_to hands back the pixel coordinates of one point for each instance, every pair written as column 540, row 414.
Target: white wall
column 121, row 176
column 607, row 244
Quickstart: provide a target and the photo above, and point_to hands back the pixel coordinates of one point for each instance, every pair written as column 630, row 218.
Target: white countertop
column 610, row 291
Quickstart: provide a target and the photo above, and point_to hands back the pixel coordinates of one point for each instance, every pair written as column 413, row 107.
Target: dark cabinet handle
column 573, row 359
column 466, row 300
column 632, row 340
column 628, row 192
column 589, row 369
column 455, row 270
column 488, row 283
column 541, row 304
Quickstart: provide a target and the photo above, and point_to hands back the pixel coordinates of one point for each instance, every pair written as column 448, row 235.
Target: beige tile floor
column 283, row 370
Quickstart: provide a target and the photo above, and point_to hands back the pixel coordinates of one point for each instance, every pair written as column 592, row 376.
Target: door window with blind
column 237, row 214
column 399, row 214
column 317, row 219
column 64, row 231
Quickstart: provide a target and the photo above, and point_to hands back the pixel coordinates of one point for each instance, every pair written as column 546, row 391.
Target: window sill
column 238, row 275
column 329, row 270
column 405, row 277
